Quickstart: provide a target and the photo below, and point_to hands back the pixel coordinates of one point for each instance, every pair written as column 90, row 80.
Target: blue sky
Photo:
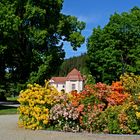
column 94, row 13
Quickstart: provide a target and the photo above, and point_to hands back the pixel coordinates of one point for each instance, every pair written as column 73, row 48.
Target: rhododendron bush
column 99, row 107
column 35, row 103
column 64, row 115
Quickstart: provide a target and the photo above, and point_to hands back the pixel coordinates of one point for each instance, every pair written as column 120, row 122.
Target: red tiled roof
column 74, row 75
column 59, row 79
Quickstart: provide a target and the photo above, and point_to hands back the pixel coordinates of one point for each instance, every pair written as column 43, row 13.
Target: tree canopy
column 115, row 49
column 32, row 33
column 78, row 62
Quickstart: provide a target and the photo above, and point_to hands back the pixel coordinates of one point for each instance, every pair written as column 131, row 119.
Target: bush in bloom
column 35, row 103
column 104, row 108
column 100, row 98
column 117, row 95
column 64, row 115
column 131, row 83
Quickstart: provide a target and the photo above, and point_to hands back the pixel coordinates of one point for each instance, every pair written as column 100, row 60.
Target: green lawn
column 7, row 110
column 12, row 98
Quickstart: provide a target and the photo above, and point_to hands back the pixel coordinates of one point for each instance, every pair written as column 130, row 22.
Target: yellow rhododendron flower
column 138, row 115
column 34, row 103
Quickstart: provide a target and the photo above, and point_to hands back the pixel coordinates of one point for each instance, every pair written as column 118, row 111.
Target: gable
column 75, row 75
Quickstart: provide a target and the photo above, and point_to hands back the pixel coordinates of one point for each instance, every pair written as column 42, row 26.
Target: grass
column 7, row 110
column 13, row 99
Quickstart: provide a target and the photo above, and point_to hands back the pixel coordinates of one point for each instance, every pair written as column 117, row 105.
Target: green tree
column 78, row 62
column 115, row 49
column 32, row 33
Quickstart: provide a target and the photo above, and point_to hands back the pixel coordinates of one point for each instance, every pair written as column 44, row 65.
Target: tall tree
column 115, row 49
column 32, row 33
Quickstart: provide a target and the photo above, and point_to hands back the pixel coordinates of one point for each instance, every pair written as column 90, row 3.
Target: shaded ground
column 9, row 103
column 8, row 107
column 10, row 131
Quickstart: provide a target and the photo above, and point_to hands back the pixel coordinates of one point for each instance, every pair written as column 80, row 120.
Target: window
column 73, row 86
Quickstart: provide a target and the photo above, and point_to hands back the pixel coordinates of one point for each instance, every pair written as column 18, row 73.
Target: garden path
column 10, row 131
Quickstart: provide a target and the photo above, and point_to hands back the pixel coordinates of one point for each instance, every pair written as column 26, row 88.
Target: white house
column 73, row 81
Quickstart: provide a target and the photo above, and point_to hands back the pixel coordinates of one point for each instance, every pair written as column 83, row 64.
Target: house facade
column 73, row 81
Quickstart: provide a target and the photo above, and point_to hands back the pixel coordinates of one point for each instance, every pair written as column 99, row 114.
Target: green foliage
column 89, row 100
column 78, row 62
column 2, row 96
column 133, row 122
column 2, row 93
column 89, row 79
column 113, row 122
column 31, row 39
column 115, row 49
column 44, row 70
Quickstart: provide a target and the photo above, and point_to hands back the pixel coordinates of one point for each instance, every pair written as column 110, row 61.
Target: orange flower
column 80, row 108
column 75, row 103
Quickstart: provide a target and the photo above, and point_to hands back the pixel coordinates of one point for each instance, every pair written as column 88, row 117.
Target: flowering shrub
column 117, row 96
column 100, row 98
column 64, row 115
column 109, row 95
column 115, row 120
column 35, row 103
column 104, row 108
column 102, row 91
column 118, row 119
column 89, row 106
column 89, row 117
column 131, row 83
